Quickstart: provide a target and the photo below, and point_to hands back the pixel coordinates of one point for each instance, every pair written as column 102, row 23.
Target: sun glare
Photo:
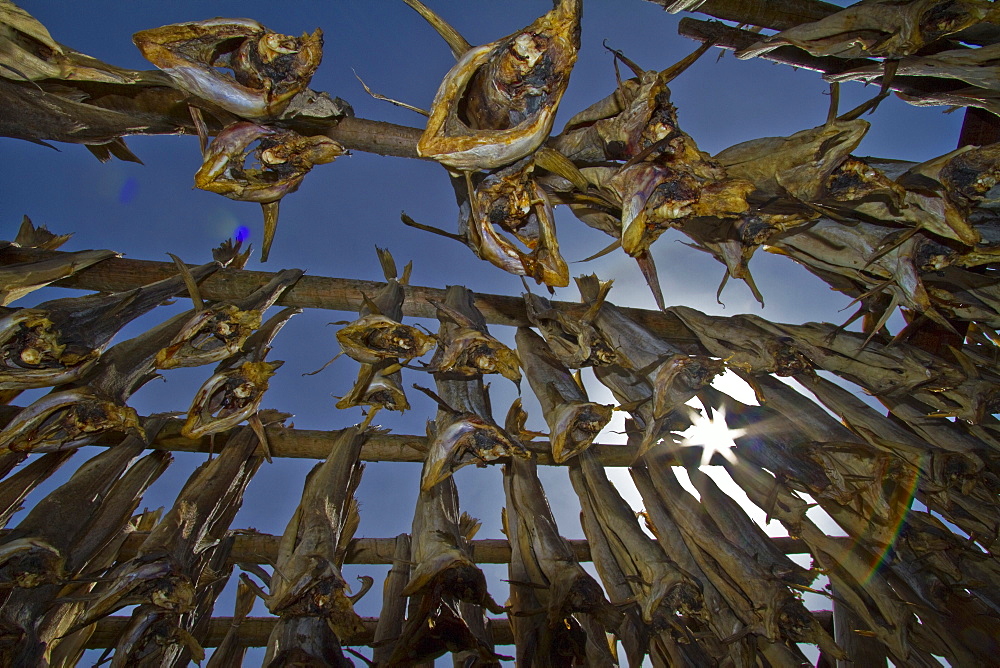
column 712, row 435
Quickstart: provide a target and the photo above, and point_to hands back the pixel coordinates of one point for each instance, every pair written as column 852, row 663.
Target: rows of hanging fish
column 889, row 234
column 711, row 589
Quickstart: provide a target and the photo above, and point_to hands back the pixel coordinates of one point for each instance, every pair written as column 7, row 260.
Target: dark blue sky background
column 331, row 225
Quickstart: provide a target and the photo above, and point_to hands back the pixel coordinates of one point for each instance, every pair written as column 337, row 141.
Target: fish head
column 32, row 353
column 670, row 596
column 66, row 419
column 267, row 69
column 374, row 338
column 575, row 426
column 652, row 197
column 461, row 440
column 211, row 335
column 31, row 562
column 228, row 398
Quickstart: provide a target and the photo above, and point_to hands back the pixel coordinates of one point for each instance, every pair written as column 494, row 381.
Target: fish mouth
column 468, row 438
column 210, row 336
column 575, row 426
column 228, row 398
column 373, row 338
column 65, row 420
column 32, row 355
column 29, row 562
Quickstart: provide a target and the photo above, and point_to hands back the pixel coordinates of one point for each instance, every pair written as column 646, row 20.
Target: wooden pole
column 338, row 294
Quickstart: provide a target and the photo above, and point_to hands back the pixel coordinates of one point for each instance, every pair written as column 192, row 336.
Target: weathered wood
column 254, row 631
column 361, row 134
column 257, row 548
column 339, row 294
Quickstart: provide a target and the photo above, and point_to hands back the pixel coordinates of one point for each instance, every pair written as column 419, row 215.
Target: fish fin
column 409, row 222
column 189, row 283
column 388, row 264
column 270, row 226
column 458, row 44
column 383, row 98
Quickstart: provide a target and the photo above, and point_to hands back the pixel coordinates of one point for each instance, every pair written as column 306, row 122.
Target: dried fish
column 570, row 332
column 464, row 431
column 547, row 583
column 268, row 68
column 379, row 384
column 29, row 236
column 880, row 28
column 16, row 487
column 465, row 347
column 392, row 615
column 166, row 567
column 284, row 158
column 58, row 341
column 216, row 332
column 230, row 651
column 17, row 280
column 573, row 421
column 307, row 583
column 443, row 574
column 497, row 104
column 237, row 387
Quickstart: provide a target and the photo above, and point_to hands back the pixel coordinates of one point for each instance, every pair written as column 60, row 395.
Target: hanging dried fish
column 465, row 347
column 570, row 332
column 307, row 590
column 880, row 28
column 17, row 280
column 268, row 68
column 464, row 431
column 547, row 583
column 379, row 384
column 497, row 104
column 58, row 341
column 231, row 651
column 443, row 574
column 17, row 486
column 237, row 387
column 166, row 566
column 392, row 615
column 573, row 421
column 216, row 332
column 284, row 158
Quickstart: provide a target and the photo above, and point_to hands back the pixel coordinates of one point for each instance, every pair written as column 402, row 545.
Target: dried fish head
column 284, row 158
column 855, row 179
column 156, row 583
column 64, row 420
column 470, row 353
column 228, row 398
column 32, row 354
column 30, row 562
column 497, row 104
column 967, row 177
column 574, row 426
column 462, row 439
column 373, row 338
column 210, row 336
column 680, row 378
column 268, row 68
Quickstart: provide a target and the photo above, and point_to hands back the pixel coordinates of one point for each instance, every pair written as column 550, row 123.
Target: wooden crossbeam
column 254, row 631
column 255, row 548
column 339, row 294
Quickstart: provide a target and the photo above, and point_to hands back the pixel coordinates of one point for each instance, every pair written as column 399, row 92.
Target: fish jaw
column 228, row 398
column 574, row 426
column 467, row 434
column 65, row 420
column 210, row 336
column 30, row 562
column 32, row 355
column 373, row 338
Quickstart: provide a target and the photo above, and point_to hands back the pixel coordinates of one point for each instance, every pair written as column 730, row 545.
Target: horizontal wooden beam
column 256, row 548
column 338, row 294
column 254, row 631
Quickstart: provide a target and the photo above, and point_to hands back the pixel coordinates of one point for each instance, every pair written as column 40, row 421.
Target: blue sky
column 331, row 225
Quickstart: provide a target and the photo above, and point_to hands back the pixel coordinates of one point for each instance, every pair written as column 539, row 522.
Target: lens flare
column 242, row 233
column 712, row 435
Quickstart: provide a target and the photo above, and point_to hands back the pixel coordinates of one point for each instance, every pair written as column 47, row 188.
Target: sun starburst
column 712, row 435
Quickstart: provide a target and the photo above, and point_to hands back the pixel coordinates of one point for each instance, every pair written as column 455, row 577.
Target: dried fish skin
column 268, row 68
column 880, row 28
column 462, row 438
column 18, row 280
column 777, row 165
column 679, row 379
column 65, row 420
column 307, row 580
column 304, row 641
column 573, row 420
column 498, row 103
column 378, row 385
column 228, row 398
column 220, row 330
column 660, row 588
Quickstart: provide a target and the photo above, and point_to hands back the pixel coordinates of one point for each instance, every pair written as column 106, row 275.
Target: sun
column 713, row 435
